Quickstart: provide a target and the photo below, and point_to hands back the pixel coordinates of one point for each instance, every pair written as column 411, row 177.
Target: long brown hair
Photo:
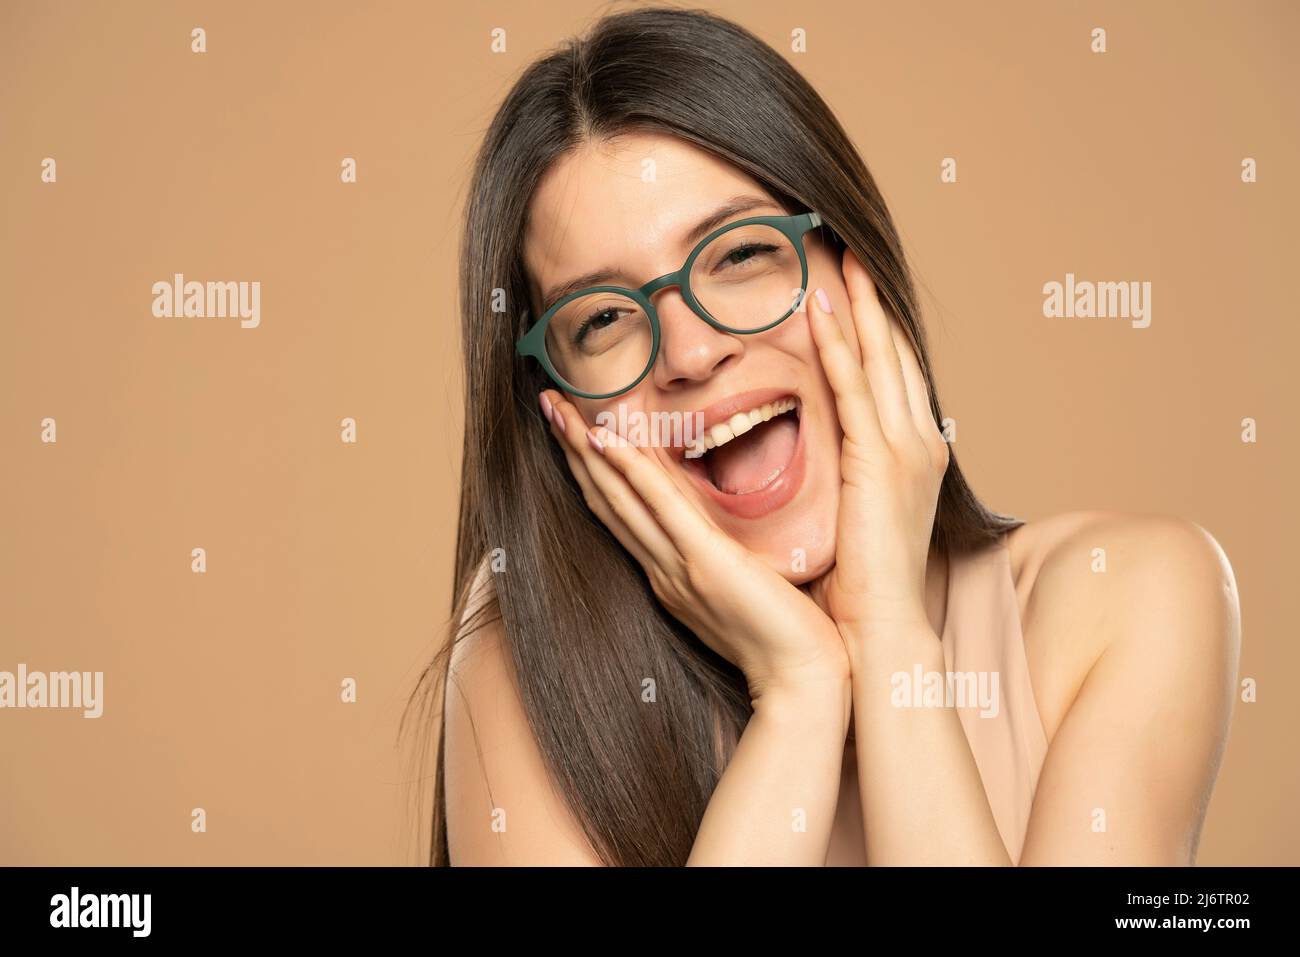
column 582, row 626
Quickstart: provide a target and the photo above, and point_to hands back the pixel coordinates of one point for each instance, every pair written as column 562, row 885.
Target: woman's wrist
column 810, row 697
column 890, row 645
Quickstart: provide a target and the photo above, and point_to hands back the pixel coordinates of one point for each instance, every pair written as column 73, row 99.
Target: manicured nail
column 823, row 300
column 595, row 442
column 559, row 418
column 547, row 409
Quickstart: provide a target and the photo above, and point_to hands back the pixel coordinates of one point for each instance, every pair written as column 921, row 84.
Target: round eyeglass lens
column 748, row 277
column 599, row 343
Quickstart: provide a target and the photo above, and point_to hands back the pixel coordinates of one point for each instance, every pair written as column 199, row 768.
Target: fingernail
column 547, row 410
column 823, row 300
column 595, row 442
column 559, row 419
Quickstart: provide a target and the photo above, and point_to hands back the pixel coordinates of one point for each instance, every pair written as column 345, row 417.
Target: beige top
column 981, row 634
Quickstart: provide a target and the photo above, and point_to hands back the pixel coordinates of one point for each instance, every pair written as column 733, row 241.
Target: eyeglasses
column 743, row 278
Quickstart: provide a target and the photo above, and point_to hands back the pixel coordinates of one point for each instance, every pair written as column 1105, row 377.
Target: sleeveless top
column 982, row 634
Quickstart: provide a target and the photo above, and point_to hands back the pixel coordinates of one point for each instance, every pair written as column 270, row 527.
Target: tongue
column 750, row 461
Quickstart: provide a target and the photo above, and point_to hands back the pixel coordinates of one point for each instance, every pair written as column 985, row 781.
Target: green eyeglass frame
column 533, row 342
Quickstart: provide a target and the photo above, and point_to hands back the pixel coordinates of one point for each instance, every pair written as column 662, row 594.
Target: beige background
column 327, row 561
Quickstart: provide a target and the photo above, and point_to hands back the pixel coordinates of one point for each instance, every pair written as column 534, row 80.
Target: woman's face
column 629, row 204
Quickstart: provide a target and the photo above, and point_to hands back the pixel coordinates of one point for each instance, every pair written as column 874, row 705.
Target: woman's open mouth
column 749, row 459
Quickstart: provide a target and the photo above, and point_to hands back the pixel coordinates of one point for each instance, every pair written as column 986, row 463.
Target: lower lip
column 775, row 495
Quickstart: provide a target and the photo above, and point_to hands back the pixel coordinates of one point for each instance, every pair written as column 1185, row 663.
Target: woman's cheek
column 613, row 414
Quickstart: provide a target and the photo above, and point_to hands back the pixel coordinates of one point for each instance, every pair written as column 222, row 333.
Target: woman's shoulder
column 1157, row 587
column 1098, row 540
column 491, row 758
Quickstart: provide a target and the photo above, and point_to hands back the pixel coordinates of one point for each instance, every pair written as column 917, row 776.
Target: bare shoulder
column 1090, row 581
column 501, row 806
column 1132, row 632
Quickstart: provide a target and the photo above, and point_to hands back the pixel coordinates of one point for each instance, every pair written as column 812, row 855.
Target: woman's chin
column 798, row 567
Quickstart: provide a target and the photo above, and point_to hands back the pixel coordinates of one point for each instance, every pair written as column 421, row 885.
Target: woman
column 796, row 636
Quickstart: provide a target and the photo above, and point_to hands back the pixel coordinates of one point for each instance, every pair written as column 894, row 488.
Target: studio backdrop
column 235, row 518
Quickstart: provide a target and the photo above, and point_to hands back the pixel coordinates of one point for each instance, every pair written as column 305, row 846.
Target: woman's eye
column 746, row 252
column 594, row 323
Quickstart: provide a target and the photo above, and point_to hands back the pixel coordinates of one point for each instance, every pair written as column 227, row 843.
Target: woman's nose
column 690, row 350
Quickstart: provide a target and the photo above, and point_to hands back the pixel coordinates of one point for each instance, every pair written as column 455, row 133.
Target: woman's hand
column 731, row 600
column 892, row 462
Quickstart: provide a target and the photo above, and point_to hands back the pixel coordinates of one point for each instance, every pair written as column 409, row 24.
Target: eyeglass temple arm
column 521, row 344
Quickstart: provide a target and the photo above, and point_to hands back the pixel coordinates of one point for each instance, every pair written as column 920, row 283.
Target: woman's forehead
column 622, row 200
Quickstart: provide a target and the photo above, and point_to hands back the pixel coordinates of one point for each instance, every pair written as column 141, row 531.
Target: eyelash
column 746, row 247
column 581, row 331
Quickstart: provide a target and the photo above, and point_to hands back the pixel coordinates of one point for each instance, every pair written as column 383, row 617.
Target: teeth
column 738, row 424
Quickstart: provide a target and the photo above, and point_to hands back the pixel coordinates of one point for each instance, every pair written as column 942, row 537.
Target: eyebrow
column 732, row 207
